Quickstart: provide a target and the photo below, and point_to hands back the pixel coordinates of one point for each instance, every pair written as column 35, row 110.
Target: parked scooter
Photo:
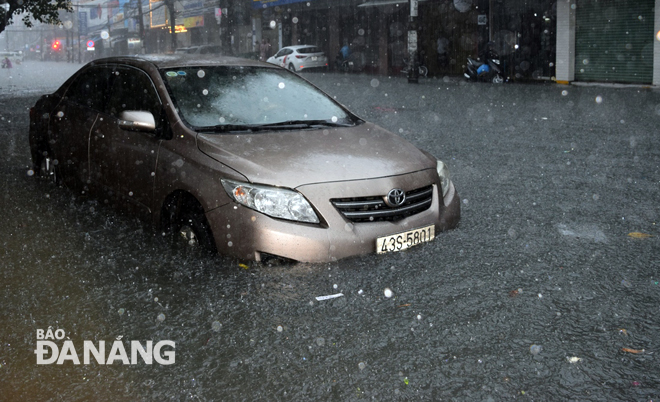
column 423, row 70
column 355, row 62
column 486, row 70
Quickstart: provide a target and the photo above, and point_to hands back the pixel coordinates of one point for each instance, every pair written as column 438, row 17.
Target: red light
column 56, row 45
column 300, row 57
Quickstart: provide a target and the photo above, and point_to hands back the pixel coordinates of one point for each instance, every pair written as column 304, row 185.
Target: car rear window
column 311, row 49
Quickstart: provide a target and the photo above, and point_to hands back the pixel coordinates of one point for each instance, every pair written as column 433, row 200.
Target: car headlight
column 445, row 178
column 273, row 201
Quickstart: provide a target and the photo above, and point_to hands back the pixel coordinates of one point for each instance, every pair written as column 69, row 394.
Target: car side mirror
column 136, row 120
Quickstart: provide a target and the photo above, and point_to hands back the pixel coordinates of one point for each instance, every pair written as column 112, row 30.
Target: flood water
column 548, row 290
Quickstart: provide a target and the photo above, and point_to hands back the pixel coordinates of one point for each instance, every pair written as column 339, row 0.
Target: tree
column 35, row 10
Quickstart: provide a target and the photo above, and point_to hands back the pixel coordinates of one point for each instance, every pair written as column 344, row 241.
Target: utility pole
column 172, row 12
column 141, row 22
column 413, row 63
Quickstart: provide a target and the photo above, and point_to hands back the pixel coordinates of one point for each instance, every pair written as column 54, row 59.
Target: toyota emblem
column 395, row 198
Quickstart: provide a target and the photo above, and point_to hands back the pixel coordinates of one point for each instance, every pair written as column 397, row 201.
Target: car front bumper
column 249, row 235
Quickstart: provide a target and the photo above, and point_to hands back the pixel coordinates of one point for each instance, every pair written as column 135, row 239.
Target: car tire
column 498, row 79
column 423, row 71
column 292, row 68
column 184, row 219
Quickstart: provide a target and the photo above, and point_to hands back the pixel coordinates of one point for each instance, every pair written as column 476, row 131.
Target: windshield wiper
column 226, row 128
column 283, row 125
column 300, row 124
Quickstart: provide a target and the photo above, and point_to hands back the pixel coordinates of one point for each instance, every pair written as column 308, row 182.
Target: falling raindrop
column 388, row 292
column 161, row 317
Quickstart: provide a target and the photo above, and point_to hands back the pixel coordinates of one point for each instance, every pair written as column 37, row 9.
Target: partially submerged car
column 240, row 157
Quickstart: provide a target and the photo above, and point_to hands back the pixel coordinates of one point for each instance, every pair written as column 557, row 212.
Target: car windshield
column 222, row 98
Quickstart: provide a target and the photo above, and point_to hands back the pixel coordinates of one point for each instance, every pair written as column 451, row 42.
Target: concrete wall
column 656, row 45
column 565, row 67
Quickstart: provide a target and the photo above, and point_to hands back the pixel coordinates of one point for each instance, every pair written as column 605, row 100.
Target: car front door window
column 125, row 161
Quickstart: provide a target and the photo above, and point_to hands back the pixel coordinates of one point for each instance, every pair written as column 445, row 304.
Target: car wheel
column 345, row 67
column 184, row 219
column 292, row 68
column 423, row 71
column 498, row 79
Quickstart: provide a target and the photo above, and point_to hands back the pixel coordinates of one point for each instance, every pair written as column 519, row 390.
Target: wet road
column 540, row 294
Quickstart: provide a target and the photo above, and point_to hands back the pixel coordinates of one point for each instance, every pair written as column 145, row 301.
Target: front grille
column 374, row 209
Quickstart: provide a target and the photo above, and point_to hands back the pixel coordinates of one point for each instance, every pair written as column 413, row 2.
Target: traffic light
column 56, row 45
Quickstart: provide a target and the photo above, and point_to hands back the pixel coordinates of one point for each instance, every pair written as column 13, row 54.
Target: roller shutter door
column 614, row 41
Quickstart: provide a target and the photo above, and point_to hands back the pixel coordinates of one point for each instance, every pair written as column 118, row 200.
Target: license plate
column 402, row 241
column 314, row 58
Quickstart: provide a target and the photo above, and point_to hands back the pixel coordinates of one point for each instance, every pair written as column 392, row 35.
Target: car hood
column 294, row 158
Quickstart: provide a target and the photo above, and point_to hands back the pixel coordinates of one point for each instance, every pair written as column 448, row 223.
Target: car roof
column 181, row 60
column 295, row 47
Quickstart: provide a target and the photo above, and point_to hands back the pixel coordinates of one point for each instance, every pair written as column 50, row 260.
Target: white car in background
column 300, row 57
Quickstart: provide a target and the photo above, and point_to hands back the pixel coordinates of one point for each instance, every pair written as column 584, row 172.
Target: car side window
column 132, row 89
column 91, row 88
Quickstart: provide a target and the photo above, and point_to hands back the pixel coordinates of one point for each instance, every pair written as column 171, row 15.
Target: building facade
column 562, row 40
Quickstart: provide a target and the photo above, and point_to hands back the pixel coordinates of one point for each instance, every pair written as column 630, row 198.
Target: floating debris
column 639, row 235
column 573, row 359
column 635, row 351
column 328, row 297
